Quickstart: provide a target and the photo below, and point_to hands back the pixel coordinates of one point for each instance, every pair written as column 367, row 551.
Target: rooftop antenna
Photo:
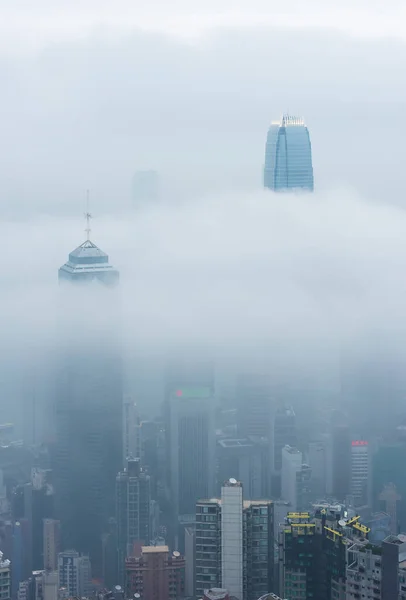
column 88, row 216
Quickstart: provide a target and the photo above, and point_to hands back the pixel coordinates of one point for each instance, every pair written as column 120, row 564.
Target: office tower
column 296, row 479
column 191, row 440
column 288, row 156
column 74, row 573
column 89, row 444
column 5, row 578
column 133, row 497
column 221, row 549
column 51, row 544
column 131, row 431
column 339, row 457
column 155, row 573
column 145, row 187
column 254, row 403
column 248, row 460
column 360, row 472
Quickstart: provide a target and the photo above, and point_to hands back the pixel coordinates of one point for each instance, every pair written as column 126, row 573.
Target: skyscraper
column 288, row 156
column 88, row 406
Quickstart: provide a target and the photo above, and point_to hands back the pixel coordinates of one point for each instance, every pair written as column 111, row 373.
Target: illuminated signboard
column 360, row 443
column 193, row 392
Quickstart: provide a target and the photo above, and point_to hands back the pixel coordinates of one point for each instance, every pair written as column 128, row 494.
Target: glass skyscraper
column 288, row 156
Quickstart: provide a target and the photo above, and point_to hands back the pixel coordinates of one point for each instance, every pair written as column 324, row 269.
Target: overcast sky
column 93, row 91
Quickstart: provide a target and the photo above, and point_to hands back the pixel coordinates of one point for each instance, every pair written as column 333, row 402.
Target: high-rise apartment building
column 234, row 544
column 360, row 472
column 339, row 457
column 74, row 574
column 5, row 578
column 89, row 422
column 288, row 156
column 248, row 460
column 133, row 499
column 155, row 573
column 51, row 544
column 296, row 479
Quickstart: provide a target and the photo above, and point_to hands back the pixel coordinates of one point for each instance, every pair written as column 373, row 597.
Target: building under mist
column 288, row 156
column 88, row 406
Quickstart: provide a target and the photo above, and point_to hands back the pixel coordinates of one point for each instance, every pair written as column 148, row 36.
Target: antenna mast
column 88, row 216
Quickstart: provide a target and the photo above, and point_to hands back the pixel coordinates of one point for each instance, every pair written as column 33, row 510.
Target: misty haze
column 203, row 333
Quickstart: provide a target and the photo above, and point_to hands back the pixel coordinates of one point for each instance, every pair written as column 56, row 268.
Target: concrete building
column 317, row 461
column 296, row 479
column 74, row 574
column 190, row 558
column 248, row 460
column 254, row 404
column 5, row 578
column 133, row 500
column 155, row 573
column 360, row 473
column 51, row 544
column 234, row 544
column 284, row 433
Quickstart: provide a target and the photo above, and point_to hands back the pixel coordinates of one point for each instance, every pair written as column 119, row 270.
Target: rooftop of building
column 246, row 503
column 154, row 549
column 235, row 443
column 289, row 121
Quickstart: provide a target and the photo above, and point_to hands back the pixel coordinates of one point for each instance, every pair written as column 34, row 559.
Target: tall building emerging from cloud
column 88, row 405
column 288, row 156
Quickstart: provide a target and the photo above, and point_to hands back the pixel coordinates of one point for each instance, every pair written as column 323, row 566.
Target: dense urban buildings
column 88, row 411
column 5, row 578
column 288, row 156
column 74, row 574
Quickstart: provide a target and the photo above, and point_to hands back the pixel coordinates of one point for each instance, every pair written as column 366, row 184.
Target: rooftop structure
column 87, row 262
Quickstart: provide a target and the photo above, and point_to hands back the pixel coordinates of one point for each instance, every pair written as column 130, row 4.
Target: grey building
column 133, row 498
column 88, row 399
column 74, row 574
column 248, row 460
column 234, row 544
column 288, row 156
column 191, row 442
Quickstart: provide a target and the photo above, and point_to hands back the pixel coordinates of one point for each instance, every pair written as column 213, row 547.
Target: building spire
column 88, row 216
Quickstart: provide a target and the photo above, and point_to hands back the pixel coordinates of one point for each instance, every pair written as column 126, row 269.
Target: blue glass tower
column 288, row 156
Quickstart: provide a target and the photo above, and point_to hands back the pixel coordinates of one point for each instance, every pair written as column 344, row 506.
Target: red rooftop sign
column 360, row 443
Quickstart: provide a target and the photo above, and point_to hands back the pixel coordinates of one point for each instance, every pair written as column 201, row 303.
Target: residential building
column 360, row 472
column 155, row 573
column 234, row 544
column 5, row 578
column 288, row 156
column 51, row 544
column 133, row 499
column 74, row 573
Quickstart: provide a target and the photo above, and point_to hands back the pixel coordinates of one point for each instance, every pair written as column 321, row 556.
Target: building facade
column 360, row 472
column 133, row 499
column 155, row 573
column 74, row 574
column 288, row 156
column 234, row 544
